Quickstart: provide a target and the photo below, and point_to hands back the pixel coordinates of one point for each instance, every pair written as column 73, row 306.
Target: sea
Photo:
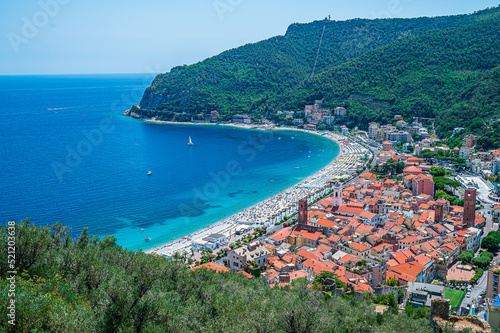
column 67, row 155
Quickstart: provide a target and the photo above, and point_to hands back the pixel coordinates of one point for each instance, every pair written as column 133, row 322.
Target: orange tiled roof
column 306, row 254
column 248, row 275
column 213, row 266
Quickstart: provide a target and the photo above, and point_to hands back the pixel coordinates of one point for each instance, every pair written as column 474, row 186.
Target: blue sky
column 126, row 36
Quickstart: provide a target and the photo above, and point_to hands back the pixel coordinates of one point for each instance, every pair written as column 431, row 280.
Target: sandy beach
column 284, row 203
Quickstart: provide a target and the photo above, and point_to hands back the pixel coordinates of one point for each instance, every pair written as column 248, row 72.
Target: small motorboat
column 147, row 239
column 149, row 173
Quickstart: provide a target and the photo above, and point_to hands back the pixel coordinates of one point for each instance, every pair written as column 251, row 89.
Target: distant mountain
column 443, row 67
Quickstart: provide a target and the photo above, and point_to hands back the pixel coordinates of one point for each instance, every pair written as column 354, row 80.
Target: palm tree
column 176, row 256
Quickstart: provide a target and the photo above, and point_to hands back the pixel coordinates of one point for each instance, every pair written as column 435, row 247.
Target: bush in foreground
column 94, row 285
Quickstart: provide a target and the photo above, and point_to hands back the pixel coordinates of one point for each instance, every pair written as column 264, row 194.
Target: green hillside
column 93, row 285
column 431, row 67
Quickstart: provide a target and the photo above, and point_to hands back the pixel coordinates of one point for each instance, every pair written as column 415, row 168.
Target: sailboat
column 190, row 143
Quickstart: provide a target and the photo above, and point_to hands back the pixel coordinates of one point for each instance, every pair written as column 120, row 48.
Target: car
column 468, row 295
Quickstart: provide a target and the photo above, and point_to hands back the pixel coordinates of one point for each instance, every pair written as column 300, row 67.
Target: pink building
column 412, row 170
column 387, row 145
column 422, row 184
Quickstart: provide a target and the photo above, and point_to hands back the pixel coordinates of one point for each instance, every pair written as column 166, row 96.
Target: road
column 476, row 291
column 482, row 189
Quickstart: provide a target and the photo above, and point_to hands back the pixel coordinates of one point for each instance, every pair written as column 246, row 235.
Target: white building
column 473, row 239
column 465, row 152
column 210, row 242
column 244, row 255
column 340, row 111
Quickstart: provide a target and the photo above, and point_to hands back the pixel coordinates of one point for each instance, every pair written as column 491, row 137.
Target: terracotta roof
column 306, row 254
column 358, row 247
column 248, row 275
column 282, row 234
column 316, row 266
column 343, row 209
column 368, row 215
column 213, row 266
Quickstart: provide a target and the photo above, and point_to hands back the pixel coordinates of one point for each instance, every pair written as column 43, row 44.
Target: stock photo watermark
column 393, row 8
column 222, row 7
column 221, row 180
column 94, row 138
column 31, row 26
column 11, row 266
column 85, row 147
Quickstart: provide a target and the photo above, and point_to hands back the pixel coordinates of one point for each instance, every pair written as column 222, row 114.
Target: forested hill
column 375, row 68
column 93, row 285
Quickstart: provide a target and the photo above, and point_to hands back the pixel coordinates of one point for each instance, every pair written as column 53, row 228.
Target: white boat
column 190, row 143
column 149, row 173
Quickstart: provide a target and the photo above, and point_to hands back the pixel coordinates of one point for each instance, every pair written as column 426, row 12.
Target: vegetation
column 466, row 256
column 390, row 167
column 387, row 299
column 94, row 285
column 440, row 182
column 319, row 280
column 491, row 241
column 421, row 312
column 454, row 201
column 439, row 172
column 476, row 276
column 483, row 260
column 443, row 67
column 391, row 282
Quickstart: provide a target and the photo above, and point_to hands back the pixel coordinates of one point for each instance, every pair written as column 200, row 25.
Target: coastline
column 275, row 207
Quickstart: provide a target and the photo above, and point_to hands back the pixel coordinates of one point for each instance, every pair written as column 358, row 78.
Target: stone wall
column 386, row 290
column 441, row 320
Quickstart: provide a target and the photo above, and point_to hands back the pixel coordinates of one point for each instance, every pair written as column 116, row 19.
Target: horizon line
column 61, row 74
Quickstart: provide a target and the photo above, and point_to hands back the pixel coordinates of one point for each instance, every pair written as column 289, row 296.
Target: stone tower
column 337, row 196
column 469, row 207
column 303, row 211
column 438, row 212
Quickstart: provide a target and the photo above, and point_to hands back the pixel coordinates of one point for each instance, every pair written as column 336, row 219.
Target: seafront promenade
column 284, row 203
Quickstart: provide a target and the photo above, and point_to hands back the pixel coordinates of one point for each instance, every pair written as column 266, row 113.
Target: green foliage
column 319, row 280
column 451, row 198
column 495, row 235
column 440, row 182
column 481, row 261
column 491, row 241
column 439, row 172
column 92, row 285
column 466, row 256
column 422, row 312
column 476, row 277
column 392, row 167
column 391, row 282
column 443, row 67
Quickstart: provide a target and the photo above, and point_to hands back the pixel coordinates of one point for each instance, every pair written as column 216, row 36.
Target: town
column 419, row 224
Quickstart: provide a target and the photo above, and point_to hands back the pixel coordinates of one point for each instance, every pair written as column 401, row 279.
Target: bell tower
column 302, row 211
column 337, row 196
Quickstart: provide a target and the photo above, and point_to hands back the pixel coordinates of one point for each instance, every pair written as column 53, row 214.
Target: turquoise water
column 67, row 155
